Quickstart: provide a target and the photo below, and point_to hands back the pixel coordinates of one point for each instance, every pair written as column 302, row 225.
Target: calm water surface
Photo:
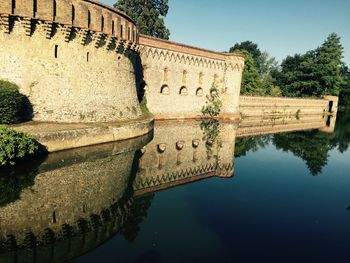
column 193, row 193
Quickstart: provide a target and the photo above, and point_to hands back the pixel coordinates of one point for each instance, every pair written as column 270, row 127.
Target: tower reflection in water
column 76, row 200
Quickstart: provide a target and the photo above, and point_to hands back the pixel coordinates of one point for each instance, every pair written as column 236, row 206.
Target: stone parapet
column 251, row 106
column 83, row 14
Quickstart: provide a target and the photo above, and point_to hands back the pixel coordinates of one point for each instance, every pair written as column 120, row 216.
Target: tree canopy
column 315, row 73
column 257, row 78
column 148, row 15
column 318, row 72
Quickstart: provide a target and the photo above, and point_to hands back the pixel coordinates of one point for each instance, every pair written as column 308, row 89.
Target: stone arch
column 162, row 55
column 161, row 147
column 183, row 59
column 156, row 54
column 196, row 62
column 167, row 56
column 183, row 91
column 199, row 92
column 172, row 57
column 165, row 90
column 195, row 143
column 180, row 145
column 192, row 61
column 201, row 63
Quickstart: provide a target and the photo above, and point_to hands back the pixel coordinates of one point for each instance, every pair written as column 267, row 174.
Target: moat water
column 190, row 192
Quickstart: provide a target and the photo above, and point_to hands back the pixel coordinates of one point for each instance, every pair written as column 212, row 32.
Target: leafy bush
column 15, row 145
column 14, row 106
column 213, row 103
column 143, row 105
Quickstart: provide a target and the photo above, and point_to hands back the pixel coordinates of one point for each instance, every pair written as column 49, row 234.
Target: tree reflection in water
column 311, row 146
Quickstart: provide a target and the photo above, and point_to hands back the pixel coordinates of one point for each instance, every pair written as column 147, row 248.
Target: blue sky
column 280, row 27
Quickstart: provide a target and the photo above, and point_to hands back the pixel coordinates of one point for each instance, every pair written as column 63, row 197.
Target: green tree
column 328, row 62
column 315, row 73
column 251, row 82
column 344, row 95
column 249, row 46
column 148, row 15
column 257, row 77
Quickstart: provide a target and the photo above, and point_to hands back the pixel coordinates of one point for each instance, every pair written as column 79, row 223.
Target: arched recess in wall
column 183, row 91
column 165, row 90
column 199, row 92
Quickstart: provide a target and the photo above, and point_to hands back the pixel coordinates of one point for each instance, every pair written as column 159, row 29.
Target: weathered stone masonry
column 74, row 59
column 178, row 78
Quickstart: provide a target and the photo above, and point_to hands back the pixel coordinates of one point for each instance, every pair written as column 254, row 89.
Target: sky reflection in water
column 273, row 210
column 288, row 201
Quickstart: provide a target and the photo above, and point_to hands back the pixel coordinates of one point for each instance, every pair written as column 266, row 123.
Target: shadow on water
column 14, row 179
column 69, row 198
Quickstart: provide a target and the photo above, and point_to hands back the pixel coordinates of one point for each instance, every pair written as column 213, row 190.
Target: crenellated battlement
column 83, row 16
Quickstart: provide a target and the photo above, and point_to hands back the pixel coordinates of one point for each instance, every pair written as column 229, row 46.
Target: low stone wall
column 58, row 136
column 252, row 126
column 251, row 106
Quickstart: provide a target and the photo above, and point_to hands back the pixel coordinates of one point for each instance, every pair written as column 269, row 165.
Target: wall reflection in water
column 62, row 207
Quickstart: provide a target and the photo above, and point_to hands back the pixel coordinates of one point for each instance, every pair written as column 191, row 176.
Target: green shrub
column 14, row 106
column 213, row 104
column 143, row 105
column 15, row 145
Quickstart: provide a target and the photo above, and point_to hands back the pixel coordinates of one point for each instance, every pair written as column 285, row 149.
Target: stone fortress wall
column 180, row 153
column 178, row 77
column 72, row 186
column 255, row 106
column 74, row 59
